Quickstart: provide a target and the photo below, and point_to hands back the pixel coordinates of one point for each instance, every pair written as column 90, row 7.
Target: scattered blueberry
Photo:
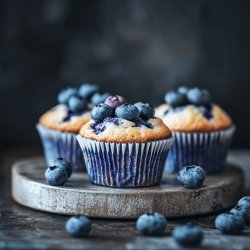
column 245, row 202
column 240, row 211
column 188, row 235
column 78, row 226
column 101, row 111
column 127, row 112
column 198, row 96
column 229, row 223
column 146, row 111
column 175, row 99
column 86, row 90
column 61, row 163
column 65, row 94
column 115, row 101
column 151, row 224
column 56, row 176
column 99, row 98
column 244, row 206
column 191, row 176
column 183, row 90
column 77, row 104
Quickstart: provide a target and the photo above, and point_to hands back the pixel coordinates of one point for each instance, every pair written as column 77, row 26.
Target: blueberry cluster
column 78, row 226
column 191, row 177
column 243, row 209
column 78, row 99
column 185, row 95
column 234, row 221
column 117, row 106
column 59, row 173
column 154, row 224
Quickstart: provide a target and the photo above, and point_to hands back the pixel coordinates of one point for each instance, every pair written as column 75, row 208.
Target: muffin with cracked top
column 202, row 129
column 59, row 126
column 124, row 145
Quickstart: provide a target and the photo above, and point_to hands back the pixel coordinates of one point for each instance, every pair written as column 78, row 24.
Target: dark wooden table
column 23, row 228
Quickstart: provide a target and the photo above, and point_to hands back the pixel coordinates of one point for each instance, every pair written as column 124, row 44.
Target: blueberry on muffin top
column 192, row 110
column 116, row 120
column 73, row 109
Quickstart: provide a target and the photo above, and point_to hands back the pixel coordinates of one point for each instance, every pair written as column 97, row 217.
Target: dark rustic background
column 136, row 48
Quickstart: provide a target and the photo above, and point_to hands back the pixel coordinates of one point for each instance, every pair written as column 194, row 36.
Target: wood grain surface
column 79, row 196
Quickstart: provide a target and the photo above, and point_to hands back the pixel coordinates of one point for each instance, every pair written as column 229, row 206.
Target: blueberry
column 245, row 202
column 127, row 112
column 188, row 235
column 151, row 224
column 65, row 94
column 101, row 111
column 77, row 104
column 115, row 101
column 229, row 223
column 146, row 111
column 78, row 226
column 240, row 211
column 61, row 163
column 86, row 90
column 99, row 98
column 243, row 208
column 191, row 176
column 183, row 90
column 56, row 176
column 175, row 99
column 198, row 96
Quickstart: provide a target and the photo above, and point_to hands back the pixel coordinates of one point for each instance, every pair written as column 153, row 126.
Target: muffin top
column 124, row 123
column 61, row 118
column 191, row 110
column 73, row 109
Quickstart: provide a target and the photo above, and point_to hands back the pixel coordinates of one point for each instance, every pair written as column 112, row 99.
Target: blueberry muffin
column 202, row 130
column 124, row 145
column 59, row 126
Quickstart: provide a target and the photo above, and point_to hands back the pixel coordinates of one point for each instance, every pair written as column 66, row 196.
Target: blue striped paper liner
column 208, row 150
column 125, row 164
column 61, row 144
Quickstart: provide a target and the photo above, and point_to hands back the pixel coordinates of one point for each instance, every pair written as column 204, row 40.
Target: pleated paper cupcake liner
column 61, row 144
column 125, row 164
column 208, row 150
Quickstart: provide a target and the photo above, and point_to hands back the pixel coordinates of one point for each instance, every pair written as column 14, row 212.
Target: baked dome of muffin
column 61, row 118
column 113, row 129
column 124, row 123
column 192, row 111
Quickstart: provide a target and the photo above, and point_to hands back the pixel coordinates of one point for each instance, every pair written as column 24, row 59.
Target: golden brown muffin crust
column 190, row 119
column 54, row 119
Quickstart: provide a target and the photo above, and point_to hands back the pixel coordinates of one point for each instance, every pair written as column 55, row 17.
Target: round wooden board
column 79, row 196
